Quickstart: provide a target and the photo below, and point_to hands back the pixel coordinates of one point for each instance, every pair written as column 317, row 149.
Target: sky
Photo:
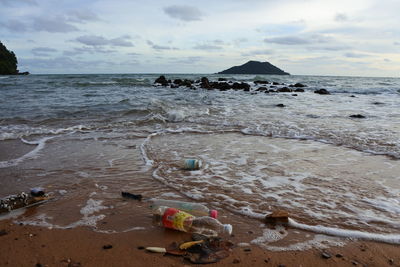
column 303, row 37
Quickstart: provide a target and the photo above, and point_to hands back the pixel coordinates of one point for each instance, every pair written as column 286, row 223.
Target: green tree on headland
column 8, row 61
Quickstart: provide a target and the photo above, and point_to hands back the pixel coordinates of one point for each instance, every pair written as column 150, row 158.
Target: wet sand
column 22, row 245
column 84, row 175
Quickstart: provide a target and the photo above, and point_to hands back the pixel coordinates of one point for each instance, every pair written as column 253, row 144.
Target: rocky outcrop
column 357, row 116
column 8, row 62
column 322, row 92
column 222, row 84
column 255, row 67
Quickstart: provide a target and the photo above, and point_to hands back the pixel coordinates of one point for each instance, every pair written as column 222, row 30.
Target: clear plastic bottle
column 195, row 209
column 183, row 221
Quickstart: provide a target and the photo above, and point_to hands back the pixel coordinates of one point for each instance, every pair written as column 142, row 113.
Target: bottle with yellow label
column 182, row 221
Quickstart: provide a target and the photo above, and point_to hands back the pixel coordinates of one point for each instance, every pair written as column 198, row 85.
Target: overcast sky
column 315, row 37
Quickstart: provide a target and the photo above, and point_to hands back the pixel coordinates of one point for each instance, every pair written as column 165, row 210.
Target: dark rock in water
column 161, row 80
column 222, row 79
column 223, row 86
column 255, row 67
column 322, row 92
column 357, row 116
column 272, row 91
column 299, row 85
column 107, row 246
column 294, row 94
column 378, row 103
column 262, row 89
column 205, row 83
column 261, row 82
column 23, row 73
column 187, row 83
column 280, row 105
column 241, row 86
column 352, row 96
column 338, row 255
column 299, row 90
column 285, row 90
column 275, row 83
column 173, row 86
column 326, row 255
column 247, row 249
column 177, row 81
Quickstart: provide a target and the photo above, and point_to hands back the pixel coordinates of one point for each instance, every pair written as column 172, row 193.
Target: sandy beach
column 123, row 133
column 22, row 245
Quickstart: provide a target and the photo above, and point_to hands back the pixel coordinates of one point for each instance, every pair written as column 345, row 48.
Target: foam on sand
column 30, row 155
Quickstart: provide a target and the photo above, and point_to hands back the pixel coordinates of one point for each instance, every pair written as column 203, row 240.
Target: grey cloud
column 15, row 26
column 207, row 47
column 121, row 41
column 340, row 17
column 218, row 42
column 62, row 64
column 355, row 55
column 94, row 40
column 288, row 40
column 297, row 40
column 257, row 52
column 238, row 41
column 82, row 16
column 87, row 50
column 184, row 13
column 14, row 2
column 396, row 43
column 160, row 47
column 186, row 60
column 387, row 60
column 43, row 51
column 53, row 25
column 329, row 48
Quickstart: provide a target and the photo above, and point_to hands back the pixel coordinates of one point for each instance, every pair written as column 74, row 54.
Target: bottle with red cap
column 195, row 209
column 182, row 221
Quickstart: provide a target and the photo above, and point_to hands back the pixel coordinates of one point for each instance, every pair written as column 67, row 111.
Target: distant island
column 255, row 67
column 8, row 62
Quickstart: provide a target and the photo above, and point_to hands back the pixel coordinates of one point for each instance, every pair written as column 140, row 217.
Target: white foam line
column 32, row 154
column 150, row 162
column 385, row 238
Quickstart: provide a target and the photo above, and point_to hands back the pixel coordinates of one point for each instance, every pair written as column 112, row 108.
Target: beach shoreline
column 25, row 245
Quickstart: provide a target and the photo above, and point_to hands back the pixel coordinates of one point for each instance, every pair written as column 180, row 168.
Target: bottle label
column 176, row 219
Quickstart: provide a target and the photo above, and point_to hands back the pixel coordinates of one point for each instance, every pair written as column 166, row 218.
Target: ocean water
column 87, row 137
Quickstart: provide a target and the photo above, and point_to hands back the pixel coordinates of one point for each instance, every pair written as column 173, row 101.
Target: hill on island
column 8, row 62
column 255, row 67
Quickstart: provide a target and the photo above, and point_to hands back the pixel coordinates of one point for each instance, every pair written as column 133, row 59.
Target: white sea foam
column 19, row 131
column 92, row 206
column 318, row 242
column 30, row 155
column 353, row 234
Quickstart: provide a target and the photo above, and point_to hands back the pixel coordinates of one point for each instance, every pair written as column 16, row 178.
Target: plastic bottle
column 185, row 222
column 192, row 164
column 195, row 209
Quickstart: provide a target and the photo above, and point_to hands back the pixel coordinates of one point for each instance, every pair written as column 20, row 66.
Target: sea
column 85, row 138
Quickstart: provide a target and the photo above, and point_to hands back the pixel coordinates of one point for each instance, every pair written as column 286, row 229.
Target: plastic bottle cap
column 228, row 228
column 214, row 214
